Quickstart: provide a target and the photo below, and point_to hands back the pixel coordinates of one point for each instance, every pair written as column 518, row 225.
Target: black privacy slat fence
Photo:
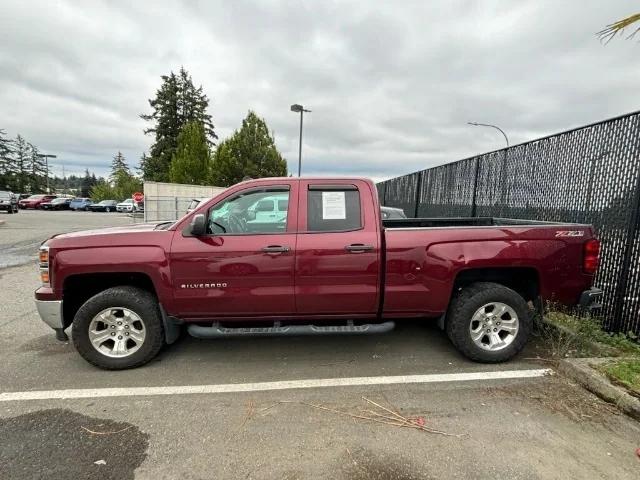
column 589, row 174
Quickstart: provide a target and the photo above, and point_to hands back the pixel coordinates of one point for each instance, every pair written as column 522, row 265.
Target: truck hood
column 129, row 229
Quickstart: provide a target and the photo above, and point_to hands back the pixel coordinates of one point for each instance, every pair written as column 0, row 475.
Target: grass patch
column 626, row 372
column 583, row 336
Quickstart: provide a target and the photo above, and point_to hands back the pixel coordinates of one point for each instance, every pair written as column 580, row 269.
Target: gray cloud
column 391, row 84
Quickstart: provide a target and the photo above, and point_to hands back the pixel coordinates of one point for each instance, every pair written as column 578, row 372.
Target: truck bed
column 462, row 222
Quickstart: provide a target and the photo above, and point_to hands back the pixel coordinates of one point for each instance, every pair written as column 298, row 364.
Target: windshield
column 106, row 202
column 35, row 197
column 5, row 194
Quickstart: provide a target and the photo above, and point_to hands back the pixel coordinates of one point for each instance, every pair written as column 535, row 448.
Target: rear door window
column 333, row 208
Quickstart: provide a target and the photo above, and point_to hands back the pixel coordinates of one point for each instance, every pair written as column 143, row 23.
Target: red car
column 34, row 201
column 325, row 264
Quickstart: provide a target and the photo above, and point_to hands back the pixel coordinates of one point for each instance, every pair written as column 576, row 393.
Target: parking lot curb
column 582, row 371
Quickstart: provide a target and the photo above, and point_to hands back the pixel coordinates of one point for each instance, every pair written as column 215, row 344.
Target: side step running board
column 216, row 331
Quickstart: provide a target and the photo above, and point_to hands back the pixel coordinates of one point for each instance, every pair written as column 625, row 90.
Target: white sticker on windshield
column 333, row 206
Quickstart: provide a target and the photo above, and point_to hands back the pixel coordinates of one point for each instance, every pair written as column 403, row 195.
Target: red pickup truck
column 288, row 256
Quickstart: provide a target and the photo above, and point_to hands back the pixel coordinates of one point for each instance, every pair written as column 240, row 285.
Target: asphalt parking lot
column 157, row 426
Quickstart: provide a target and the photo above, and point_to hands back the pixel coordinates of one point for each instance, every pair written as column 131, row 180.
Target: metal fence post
column 475, row 188
column 418, row 187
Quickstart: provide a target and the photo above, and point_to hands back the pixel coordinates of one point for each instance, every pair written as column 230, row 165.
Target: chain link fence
column 589, row 174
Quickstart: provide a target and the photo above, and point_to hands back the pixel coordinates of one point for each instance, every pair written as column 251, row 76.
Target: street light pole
column 299, row 108
column 476, row 124
column 46, row 159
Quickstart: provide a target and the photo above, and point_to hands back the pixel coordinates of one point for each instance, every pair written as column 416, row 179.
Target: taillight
column 591, row 259
column 43, row 257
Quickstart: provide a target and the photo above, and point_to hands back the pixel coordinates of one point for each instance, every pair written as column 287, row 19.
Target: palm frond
column 612, row 30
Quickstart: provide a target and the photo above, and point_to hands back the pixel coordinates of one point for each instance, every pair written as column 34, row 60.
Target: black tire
column 467, row 302
column 140, row 301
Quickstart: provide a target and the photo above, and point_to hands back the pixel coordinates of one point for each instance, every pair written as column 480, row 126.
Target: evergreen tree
column 86, row 183
column 7, row 167
column 250, row 151
column 121, row 185
column 21, row 157
column 119, row 168
column 192, row 160
column 37, row 170
column 177, row 102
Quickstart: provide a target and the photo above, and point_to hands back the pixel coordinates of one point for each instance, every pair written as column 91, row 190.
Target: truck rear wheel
column 119, row 328
column 488, row 322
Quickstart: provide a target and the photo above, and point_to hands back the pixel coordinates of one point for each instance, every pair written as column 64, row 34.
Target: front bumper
column 6, row 206
column 591, row 300
column 50, row 312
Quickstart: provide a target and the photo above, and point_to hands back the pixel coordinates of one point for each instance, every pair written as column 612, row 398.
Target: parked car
column 389, row 213
column 139, row 206
column 8, row 202
column 34, row 201
column 331, row 261
column 80, row 203
column 56, row 204
column 194, row 203
column 127, row 205
column 104, row 206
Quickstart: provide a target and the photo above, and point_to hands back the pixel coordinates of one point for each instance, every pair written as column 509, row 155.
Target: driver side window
column 256, row 211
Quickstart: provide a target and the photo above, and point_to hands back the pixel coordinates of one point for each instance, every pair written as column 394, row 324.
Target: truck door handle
column 358, row 248
column 275, row 249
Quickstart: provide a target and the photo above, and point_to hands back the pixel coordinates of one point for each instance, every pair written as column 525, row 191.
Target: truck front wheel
column 119, row 328
column 488, row 322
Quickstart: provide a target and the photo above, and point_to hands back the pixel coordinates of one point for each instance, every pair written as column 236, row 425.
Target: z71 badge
column 570, row 233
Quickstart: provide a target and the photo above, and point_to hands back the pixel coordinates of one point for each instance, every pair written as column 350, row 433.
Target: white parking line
column 268, row 386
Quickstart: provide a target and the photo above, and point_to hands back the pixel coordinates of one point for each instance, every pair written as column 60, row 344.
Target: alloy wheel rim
column 117, row 332
column 494, row 326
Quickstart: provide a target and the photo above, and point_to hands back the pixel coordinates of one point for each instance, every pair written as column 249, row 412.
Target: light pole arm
column 492, row 126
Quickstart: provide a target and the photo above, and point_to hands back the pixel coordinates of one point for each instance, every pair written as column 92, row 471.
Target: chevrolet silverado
column 329, row 264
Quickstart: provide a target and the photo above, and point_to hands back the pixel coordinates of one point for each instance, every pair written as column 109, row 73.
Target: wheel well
column 523, row 280
column 78, row 289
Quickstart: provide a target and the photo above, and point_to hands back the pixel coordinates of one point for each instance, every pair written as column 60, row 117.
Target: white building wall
column 169, row 201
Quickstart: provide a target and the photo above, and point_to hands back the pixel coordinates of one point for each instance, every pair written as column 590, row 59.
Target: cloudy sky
column 391, row 84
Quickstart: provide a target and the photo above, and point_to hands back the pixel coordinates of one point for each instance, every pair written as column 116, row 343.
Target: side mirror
column 198, row 225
